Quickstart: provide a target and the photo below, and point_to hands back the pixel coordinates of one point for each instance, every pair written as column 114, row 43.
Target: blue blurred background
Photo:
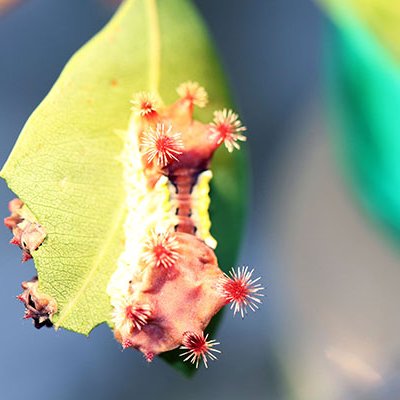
column 329, row 326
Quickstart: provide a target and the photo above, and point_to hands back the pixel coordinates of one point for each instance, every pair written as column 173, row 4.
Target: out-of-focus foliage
column 381, row 17
column 364, row 61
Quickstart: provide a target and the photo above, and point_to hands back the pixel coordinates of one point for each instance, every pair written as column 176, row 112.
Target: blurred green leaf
column 365, row 89
column 64, row 165
column 381, row 17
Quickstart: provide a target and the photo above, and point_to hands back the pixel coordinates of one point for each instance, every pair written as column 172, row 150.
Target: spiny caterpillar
column 167, row 285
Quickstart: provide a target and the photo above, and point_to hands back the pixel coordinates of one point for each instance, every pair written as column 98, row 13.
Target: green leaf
column 65, row 164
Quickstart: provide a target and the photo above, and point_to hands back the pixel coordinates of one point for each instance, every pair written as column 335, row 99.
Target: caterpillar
column 167, row 285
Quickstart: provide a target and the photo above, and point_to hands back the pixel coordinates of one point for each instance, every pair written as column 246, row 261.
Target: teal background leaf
column 364, row 82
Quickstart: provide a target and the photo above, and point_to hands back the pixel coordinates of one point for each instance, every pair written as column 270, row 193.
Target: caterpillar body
column 175, row 285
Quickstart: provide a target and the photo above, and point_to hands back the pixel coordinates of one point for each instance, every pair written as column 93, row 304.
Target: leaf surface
column 65, row 163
